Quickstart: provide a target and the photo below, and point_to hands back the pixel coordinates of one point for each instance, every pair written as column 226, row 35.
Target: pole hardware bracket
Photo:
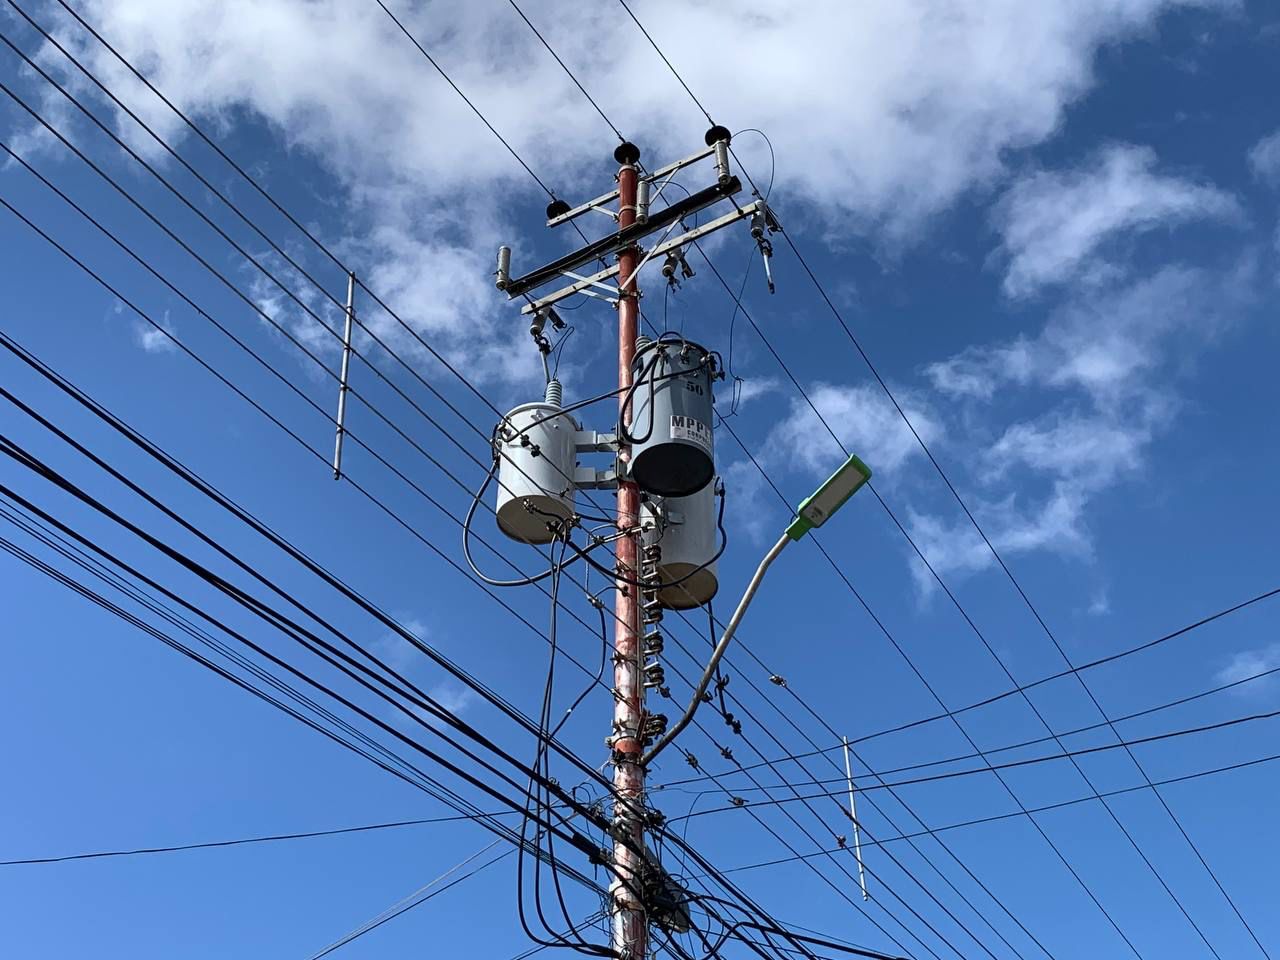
column 589, row 441
column 589, row 478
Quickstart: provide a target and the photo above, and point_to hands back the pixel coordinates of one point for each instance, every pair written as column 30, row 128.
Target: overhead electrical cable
column 580, row 86
column 1184, row 778
column 1007, row 765
column 999, row 559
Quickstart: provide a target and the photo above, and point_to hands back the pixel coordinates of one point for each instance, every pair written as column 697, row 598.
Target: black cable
column 282, row 623
column 903, row 530
column 658, row 50
column 252, row 303
column 407, row 907
column 180, row 114
column 921, row 853
column 243, row 841
column 580, row 87
column 407, row 689
column 995, row 553
column 1044, row 739
column 1047, row 807
column 1007, row 765
column 278, row 541
column 579, row 841
column 438, row 791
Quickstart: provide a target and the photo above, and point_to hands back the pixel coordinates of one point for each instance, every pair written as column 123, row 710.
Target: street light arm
column 729, row 630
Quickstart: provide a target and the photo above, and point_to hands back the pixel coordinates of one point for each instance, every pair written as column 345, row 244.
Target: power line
column 1179, row 701
column 1007, row 765
column 431, row 787
column 415, row 899
column 168, row 462
column 1052, row 806
column 1003, row 565
column 953, row 887
column 245, row 841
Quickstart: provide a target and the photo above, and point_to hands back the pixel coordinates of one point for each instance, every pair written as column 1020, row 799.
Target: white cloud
column 1054, row 225
column 451, row 697
column 1108, row 343
column 152, row 339
column 928, row 98
column 1056, row 524
column 1109, row 362
column 1264, row 158
column 864, row 420
column 399, row 653
column 1090, row 450
column 1249, row 663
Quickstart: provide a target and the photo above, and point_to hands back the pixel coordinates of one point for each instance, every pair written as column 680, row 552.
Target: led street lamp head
column 830, row 497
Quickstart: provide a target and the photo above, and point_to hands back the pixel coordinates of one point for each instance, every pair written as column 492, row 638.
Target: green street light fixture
column 814, row 511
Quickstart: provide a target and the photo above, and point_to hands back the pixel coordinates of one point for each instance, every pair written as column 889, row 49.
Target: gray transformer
column 687, row 536
column 535, row 472
column 671, row 450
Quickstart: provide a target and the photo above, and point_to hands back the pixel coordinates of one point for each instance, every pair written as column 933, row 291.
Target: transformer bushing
column 686, row 530
column 671, row 442
column 536, row 471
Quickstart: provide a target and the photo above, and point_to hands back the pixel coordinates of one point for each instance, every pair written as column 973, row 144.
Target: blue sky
column 1052, row 226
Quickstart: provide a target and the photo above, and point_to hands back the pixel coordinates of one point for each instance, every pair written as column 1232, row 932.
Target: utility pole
column 536, row 452
column 630, row 923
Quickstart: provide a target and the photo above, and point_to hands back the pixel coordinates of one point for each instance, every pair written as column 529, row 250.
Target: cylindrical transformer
column 687, row 536
column 535, row 471
column 671, row 448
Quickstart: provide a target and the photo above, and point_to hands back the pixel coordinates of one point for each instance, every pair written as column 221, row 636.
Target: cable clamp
column 777, row 680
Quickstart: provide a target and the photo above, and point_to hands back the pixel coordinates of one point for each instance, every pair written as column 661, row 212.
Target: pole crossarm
column 628, row 236
column 581, row 284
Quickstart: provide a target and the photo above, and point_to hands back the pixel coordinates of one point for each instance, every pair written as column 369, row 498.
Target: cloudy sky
column 1051, row 227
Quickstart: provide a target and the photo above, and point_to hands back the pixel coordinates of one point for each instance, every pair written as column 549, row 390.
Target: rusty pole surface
column 629, row 923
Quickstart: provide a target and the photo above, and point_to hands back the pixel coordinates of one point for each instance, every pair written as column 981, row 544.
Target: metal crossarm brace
column 696, row 233
column 612, row 195
column 626, row 237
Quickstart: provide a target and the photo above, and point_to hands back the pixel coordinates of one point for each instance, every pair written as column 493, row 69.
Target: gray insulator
column 686, row 529
column 721, row 150
column 535, row 472
column 672, row 451
column 504, row 267
column 555, row 393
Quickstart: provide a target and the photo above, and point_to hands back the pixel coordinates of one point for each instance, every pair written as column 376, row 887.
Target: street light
column 814, row 511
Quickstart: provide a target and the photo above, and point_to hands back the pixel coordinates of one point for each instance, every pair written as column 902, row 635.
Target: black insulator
column 557, row 208
column 716, row 134
column 627, row 152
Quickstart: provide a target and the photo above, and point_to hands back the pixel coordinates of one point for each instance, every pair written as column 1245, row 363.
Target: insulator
column 653, row 643
column 503, row 275
column 642, row 201
column 555, row 393
column 654, row 675
column 655, row 725
column 721, row 149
